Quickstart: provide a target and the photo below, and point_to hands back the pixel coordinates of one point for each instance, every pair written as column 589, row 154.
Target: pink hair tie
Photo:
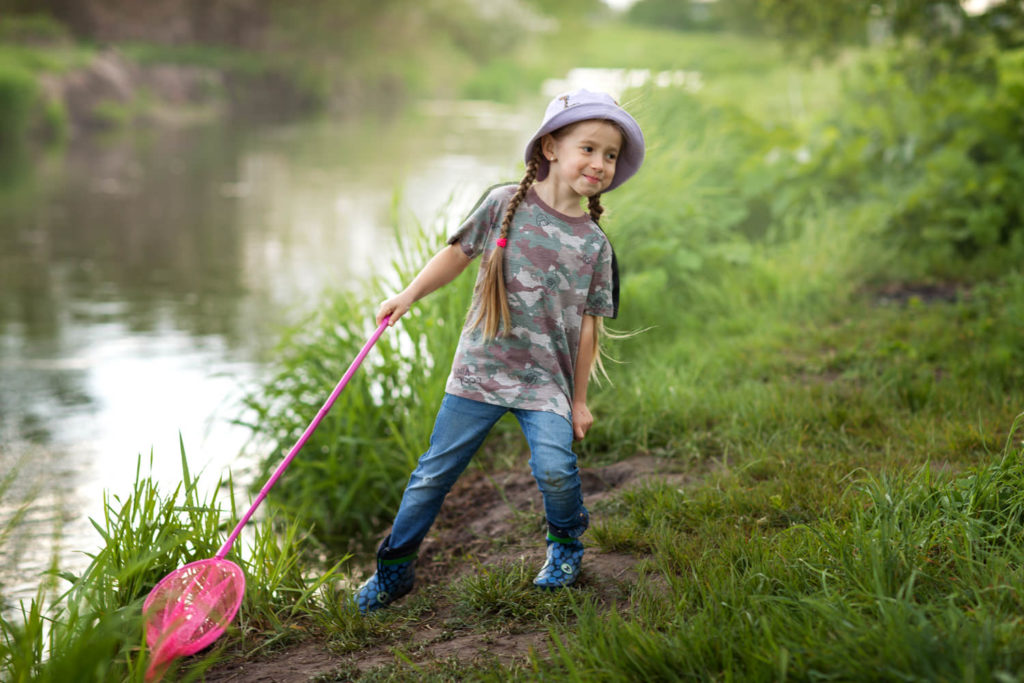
column 502, row 242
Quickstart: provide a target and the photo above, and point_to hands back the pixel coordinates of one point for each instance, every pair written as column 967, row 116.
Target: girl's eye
column 588, row 148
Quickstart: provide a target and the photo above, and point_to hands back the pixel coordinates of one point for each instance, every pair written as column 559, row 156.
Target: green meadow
column 821, row 267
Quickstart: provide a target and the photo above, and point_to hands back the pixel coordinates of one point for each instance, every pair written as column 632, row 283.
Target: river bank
column 112, row 92
column 102, row 65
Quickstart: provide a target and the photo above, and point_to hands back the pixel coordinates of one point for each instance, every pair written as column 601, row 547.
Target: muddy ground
column 491, row 518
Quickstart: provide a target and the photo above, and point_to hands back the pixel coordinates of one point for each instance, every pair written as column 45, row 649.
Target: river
column 145, row 278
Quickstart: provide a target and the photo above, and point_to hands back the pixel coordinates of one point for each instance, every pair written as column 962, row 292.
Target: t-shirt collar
column 534, row 198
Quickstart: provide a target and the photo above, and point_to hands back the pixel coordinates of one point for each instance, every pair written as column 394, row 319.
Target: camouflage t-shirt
column 557, row 268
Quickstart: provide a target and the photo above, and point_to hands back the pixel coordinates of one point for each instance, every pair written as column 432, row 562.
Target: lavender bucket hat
column 583, row 105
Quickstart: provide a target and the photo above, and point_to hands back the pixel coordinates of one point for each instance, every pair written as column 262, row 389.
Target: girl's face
column 583, row 156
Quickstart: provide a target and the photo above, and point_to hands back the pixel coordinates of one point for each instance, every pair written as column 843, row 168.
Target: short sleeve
column 603, row 299
column 473, row 233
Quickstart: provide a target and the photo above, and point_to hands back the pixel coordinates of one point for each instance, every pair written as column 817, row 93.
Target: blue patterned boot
column 562, row 567
column 392, row 580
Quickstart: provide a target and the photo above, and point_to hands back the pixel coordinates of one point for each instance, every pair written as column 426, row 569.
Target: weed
column 506, row 593
column 96, row 625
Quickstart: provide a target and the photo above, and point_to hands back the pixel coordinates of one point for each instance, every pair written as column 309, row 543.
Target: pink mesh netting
column 190, row 608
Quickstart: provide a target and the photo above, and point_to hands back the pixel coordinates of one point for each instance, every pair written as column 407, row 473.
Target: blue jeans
column 459, row 430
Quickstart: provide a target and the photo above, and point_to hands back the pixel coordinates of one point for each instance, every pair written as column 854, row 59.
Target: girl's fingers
column 390, row 308
column 384, row 311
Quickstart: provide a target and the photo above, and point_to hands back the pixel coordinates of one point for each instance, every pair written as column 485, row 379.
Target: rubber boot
column 562, row 567
column 392, row 580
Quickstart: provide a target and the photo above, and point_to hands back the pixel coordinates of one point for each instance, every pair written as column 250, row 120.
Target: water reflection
column 142, row 280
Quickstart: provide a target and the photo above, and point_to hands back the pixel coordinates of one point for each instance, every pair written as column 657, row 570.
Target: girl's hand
column 581, row 420
column 396, row 307
column 440, row 270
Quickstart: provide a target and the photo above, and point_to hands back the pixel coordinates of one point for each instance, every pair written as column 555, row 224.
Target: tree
column 822, row 28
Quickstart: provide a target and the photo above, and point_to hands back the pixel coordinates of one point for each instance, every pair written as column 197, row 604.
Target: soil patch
column 902, row 293
column 488, row 519
column 299, row 663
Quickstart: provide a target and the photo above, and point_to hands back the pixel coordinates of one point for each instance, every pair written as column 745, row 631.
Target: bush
column 937, row 139
column 17, row 97
column 32, row 29
column 676, row 14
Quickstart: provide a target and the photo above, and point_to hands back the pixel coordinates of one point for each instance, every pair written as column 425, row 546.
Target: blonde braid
column 594, row 205
column 597, row 370
column 493, row 309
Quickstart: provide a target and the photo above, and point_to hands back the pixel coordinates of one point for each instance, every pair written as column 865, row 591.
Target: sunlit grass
column 505, row 594
column 96, row 626
column 909, row 573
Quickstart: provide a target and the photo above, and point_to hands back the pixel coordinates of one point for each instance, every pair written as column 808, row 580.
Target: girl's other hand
column 581, row 420
column 396, row 307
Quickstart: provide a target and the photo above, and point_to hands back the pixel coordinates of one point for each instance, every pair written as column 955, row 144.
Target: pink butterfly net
column 193, row 605
column 189, row 609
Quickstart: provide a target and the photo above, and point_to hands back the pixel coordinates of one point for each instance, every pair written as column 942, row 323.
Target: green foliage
column 825, row 29
column 44, row 58
column 825, row 26
column 924, row 154
column 75, row 643
column 381, row 52
column 17, row 96
column 95, row 629
column 506, row 593
column 23, row 112
column 973, row 168
column 348, row 479
column 913, row 577
column 932, row 141
column 567, row 8
column 705, row 166
column 503, row 80
column 32, row 29
column 684, row 15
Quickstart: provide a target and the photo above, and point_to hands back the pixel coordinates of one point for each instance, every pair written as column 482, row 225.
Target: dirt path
column 492, row 519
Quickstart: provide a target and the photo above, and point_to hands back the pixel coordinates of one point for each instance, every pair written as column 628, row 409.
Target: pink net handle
column 226, row 548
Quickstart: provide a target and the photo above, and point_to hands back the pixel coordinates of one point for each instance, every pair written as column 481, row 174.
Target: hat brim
column 630, row 158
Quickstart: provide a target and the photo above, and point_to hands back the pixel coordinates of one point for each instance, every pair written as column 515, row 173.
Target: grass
column 910, row 576
column 505, row 594
column 94, row 628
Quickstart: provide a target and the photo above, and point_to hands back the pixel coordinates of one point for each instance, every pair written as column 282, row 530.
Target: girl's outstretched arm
column 439, row 271
column 581, row 417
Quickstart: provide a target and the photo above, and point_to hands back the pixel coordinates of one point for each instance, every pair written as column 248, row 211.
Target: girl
column 530, row 339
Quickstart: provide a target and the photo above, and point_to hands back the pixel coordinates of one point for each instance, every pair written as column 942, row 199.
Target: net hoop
column 191, row 607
